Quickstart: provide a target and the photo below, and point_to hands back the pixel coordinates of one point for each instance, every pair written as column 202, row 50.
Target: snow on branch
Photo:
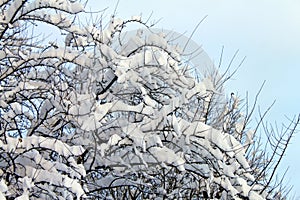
column 95, row 114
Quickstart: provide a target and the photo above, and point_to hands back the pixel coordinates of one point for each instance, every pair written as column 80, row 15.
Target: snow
column 165, row 155
column 76, row 7
column 249, row 137
column 254, row 196
column 2, row 54
column 3, row 188
column 27, row 183
column 65, row 5
column 109, row 53
column 209, row 84
column 2, row 195
column 147, row 99
column 9, row 13
column 151, row 117
column 133, row 44
column 14, row 144
column 40, row 175
column 114, row 139
column 136, row 18
column 157, row 40
column 24, row 196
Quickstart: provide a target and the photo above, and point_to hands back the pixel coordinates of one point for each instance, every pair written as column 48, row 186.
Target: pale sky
column 267, row 32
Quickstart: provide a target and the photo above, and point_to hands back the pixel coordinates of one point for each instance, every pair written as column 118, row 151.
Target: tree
column 97, row 116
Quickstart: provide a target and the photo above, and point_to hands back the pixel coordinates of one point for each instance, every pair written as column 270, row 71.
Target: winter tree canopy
column 99, row 116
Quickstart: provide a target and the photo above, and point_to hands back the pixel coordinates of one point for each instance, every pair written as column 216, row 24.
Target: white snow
column 136, row 17
column 152, row 117
column 16, row 144
column 3, row 187
column 165, row 155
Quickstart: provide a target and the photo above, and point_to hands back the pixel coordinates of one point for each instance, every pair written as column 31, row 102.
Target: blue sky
column 267, row 32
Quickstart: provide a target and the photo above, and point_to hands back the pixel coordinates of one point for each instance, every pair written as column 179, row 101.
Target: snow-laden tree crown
column 100, row 116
